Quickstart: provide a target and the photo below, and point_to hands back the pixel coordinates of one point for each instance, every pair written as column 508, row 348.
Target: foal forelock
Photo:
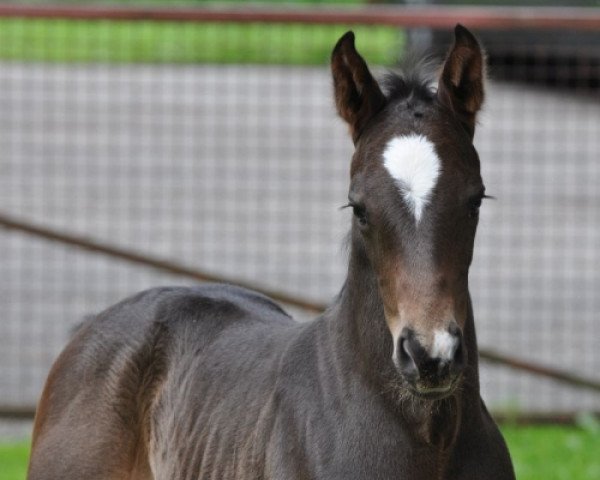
column 414, row 165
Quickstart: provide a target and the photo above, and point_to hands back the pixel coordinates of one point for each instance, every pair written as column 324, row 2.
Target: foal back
column 104, row 411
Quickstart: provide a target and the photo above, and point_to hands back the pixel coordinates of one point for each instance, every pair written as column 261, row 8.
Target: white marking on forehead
column 444, row 345
column 413, row 163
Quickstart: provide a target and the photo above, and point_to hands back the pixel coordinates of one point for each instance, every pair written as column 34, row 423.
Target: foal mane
column 414, row 80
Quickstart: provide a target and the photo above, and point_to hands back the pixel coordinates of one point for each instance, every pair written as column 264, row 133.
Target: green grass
column 104, row 41
column 554, row 452
column 191, row 3
column 540, row 452
column 13, row 460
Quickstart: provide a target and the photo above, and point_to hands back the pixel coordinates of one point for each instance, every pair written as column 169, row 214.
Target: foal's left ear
column 461, row 83
column 358, row 97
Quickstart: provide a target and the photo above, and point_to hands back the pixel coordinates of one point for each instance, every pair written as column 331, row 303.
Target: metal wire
column 239, row 170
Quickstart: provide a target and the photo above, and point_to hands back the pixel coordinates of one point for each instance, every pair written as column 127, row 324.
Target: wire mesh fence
column 217, row 145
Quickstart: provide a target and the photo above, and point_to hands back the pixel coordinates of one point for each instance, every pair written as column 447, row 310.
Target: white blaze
column 413, row 163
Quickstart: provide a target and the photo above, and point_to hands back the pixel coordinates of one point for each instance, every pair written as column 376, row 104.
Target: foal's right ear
column 358, row 97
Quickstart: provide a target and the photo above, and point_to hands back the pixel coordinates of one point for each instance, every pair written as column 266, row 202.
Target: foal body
column 217, row 382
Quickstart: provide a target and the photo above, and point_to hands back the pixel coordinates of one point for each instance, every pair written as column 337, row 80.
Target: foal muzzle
column 434, row 371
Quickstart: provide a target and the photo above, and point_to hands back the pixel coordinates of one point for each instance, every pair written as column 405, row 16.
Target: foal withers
column 217, row 382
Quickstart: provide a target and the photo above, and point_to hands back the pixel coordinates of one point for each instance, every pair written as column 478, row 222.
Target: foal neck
column 365, row 342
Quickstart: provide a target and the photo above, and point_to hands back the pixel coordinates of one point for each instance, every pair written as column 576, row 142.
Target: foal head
column 415, row 191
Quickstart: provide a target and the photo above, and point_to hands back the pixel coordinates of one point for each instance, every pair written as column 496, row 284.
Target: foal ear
column 358, row 97
column 461, row 83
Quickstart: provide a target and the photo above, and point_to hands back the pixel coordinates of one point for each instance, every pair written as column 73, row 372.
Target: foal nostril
column 459, row 360
column 407, row 362
column 410, row 354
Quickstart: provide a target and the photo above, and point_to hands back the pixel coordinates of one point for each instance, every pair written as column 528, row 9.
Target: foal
column 217, row 382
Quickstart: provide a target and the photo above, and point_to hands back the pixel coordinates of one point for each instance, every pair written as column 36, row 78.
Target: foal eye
column 474, row 204
column 360, row 212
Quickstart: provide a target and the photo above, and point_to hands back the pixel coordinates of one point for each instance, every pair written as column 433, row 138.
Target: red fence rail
column 508, row 18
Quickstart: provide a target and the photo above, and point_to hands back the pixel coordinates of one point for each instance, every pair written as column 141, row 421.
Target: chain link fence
column 216, row 145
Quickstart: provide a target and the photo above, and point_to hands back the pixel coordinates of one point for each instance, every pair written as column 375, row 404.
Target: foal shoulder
column 123, row 353
column 139, row 333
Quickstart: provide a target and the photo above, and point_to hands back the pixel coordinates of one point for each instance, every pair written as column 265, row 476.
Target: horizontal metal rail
column 506, row 18
column 12, row 223
column 131, row 256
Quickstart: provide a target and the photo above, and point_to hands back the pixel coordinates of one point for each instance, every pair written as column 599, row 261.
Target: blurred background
column 145, row 143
